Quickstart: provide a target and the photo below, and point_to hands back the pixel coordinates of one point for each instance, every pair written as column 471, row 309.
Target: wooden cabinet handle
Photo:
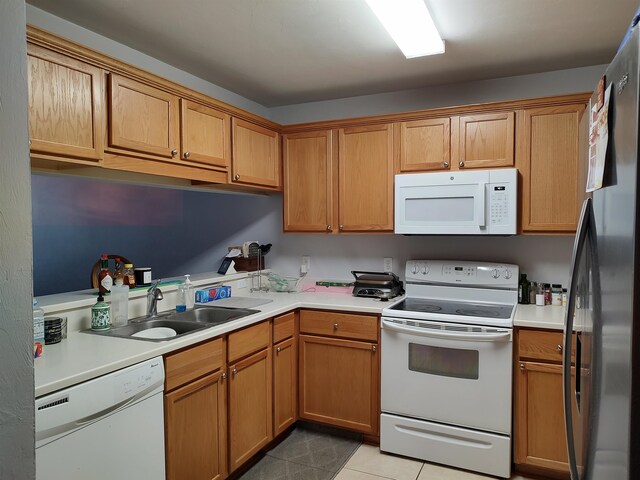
column 335, row 326
column 461, row 163
column 559, row 347
column 187, row 154
column 174, row 152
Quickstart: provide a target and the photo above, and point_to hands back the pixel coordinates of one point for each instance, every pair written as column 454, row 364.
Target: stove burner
column 427, row 307
column 478, row 312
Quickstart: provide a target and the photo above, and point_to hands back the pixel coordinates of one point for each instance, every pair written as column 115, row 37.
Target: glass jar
column 547, row 294
column 129, row 275
column 556, row 294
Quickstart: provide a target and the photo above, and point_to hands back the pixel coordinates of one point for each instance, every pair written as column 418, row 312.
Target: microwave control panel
column 499, row 204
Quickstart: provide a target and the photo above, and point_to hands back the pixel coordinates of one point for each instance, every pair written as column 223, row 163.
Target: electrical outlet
column 306, row 263
column 388, row 264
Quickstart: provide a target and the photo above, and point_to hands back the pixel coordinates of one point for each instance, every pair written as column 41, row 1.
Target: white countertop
column 539, row 317
column 84, row 356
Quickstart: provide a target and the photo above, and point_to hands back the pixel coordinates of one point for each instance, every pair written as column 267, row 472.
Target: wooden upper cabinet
column 256, row 155
column 65, row 106
column 425, row 145
column 142, row 119
column 308, row 187
column 548, row 163
column 365, row 190
column 205, row 134
column 486, row 140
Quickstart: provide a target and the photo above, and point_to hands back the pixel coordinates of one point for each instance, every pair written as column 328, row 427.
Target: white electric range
column 447, row 365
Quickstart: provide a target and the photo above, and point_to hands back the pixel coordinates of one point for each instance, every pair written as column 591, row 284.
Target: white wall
column 559, row 82
column 63, row 28
column 17, row 440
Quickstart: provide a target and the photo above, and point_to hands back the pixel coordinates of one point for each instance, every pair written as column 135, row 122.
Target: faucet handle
column 154, row 286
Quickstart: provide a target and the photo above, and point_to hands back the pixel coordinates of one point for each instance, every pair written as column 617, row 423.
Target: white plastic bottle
column 38, row 329
column 189, row 293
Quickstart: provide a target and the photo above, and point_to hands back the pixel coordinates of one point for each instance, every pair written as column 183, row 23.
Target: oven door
column 449, row 373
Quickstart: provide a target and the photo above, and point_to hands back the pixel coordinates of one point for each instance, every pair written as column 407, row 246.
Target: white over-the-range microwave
column 479, row 202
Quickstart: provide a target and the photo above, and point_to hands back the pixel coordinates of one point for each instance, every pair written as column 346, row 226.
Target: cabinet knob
column 234, row 372
column 335, row 326
column 278, row 350
column 373, row 348
column 341, row 227
column 29, row 142
column 559, row 347
column 174, row 152
column 445, row 164
column 224, row 375
column 461, row 163
column 237, row 177
column 187, row 154
column 328, row 227
column 522, row 366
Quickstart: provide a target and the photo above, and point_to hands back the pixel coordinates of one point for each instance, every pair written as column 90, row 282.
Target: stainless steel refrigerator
column 602, row 327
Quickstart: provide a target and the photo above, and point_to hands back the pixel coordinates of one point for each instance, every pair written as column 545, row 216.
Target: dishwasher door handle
column 470, row 336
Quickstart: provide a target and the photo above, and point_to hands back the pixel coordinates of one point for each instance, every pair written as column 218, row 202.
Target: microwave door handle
column 480, row 205
column 426, row 332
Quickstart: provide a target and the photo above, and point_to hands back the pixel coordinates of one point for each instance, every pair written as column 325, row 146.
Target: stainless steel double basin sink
column 162, row 326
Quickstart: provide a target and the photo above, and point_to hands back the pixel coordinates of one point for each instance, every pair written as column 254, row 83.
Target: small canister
column 100, row 315
column 52, row 330
column 143, row 276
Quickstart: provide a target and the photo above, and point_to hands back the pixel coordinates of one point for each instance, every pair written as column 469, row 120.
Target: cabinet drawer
column 248, row 341
column 187, row 365
column 345, row 325
column 540, row 345
column 283, row 327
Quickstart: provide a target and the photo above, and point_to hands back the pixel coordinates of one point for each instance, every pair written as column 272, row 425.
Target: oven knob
column 414, row 268
column 495, row 273
column 425, row 269
column 507, row 274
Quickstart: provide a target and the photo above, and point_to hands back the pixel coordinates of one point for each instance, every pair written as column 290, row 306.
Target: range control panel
column 460, row 272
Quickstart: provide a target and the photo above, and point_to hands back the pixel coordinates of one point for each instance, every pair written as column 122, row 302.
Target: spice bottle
column 556, row 294
column 118, row 273
column 523, row 289
column 105, row 280
column 564, row 297
column 532, row 293
column 547, row 294
column 129, row 275
column 540, row 295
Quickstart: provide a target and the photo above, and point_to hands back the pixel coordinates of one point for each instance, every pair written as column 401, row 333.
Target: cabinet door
column 425, row 145
column 339, row 383
column 195, row 425
column 487, row 140
column 539, row 437
column 255, row 159
column 548, row 163
column 285, row 385
column 142, row 118
column 205, row 134
column 366, row 178
column 250, row 416
column 65, row 106
column 308, row 186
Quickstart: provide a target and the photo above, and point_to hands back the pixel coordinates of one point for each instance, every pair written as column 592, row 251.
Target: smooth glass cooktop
column 446, row 307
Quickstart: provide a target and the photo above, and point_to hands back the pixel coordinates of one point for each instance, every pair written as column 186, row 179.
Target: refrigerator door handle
column 578, row 247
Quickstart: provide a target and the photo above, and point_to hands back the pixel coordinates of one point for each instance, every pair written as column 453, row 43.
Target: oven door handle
column 425, row 332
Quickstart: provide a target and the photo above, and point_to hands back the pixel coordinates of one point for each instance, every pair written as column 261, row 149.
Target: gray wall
column 17, row 453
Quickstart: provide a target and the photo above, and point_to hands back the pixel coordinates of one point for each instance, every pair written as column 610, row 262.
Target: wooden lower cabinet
column 285, row 385
column 195, row 408
column 339, row 382
column 539, row 431
column 250, row 415
column 196, row 429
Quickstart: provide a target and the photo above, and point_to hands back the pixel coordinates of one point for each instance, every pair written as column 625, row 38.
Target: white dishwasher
column 111, row 427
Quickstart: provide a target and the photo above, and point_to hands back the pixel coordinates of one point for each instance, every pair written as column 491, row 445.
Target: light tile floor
column 368, row 463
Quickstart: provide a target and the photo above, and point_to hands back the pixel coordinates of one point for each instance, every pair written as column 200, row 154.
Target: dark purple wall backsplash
column 172, row 231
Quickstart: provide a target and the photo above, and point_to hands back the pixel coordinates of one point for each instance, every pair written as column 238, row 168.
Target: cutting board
column 239, row 302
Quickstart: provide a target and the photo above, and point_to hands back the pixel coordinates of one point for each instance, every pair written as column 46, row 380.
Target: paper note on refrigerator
column 598, row 139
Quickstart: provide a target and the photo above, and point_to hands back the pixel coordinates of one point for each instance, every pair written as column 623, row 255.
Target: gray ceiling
column 282, row 52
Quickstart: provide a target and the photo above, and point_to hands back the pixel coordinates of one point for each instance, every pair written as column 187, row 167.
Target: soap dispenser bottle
column 189, row 293
column 100, row 315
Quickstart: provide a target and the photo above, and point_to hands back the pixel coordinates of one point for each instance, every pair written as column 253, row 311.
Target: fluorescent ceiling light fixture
column 410, row 25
